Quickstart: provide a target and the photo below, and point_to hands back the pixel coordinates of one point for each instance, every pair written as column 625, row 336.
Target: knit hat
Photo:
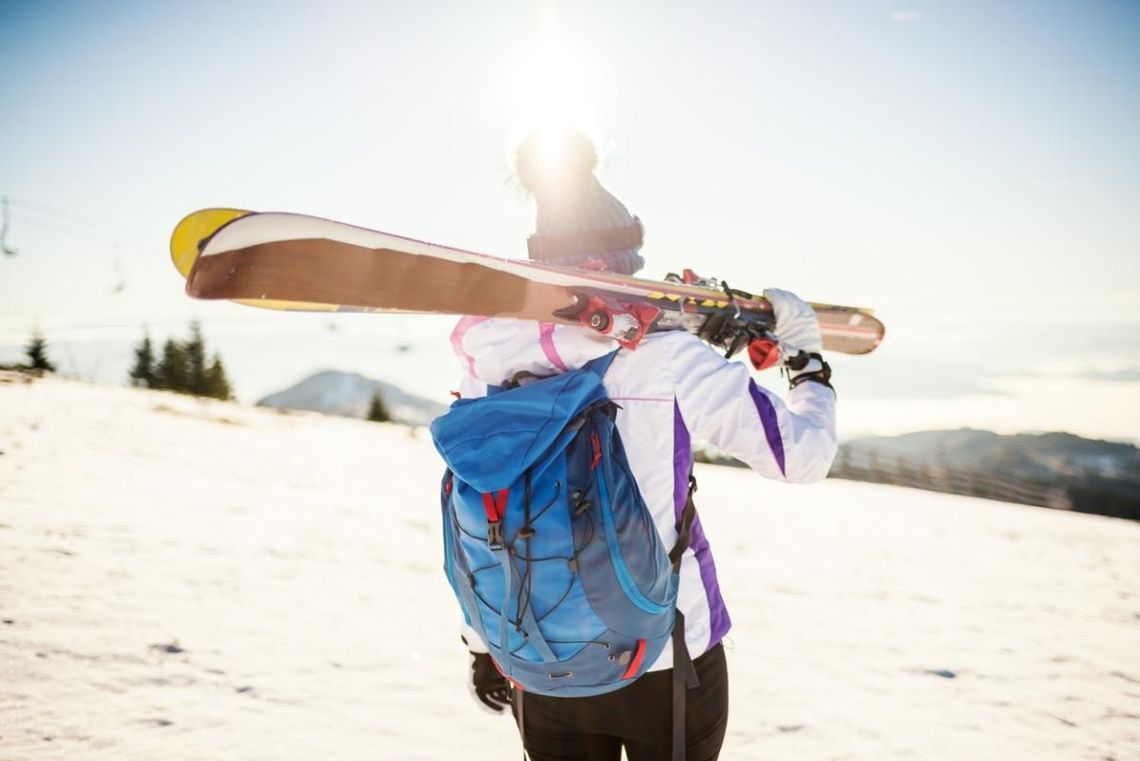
column 578, row 222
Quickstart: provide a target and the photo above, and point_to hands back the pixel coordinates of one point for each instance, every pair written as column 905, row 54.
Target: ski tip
column 194, row 228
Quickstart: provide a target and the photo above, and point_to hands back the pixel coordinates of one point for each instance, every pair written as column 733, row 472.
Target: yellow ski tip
column 199, row 225
column 193, row 229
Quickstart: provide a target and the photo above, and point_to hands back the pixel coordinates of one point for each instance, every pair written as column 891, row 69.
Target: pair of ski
column 303, row 263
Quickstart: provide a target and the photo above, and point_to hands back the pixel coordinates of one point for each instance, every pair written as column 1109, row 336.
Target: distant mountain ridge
column 1040, row 455
column 334, row 392
column 1056, row 469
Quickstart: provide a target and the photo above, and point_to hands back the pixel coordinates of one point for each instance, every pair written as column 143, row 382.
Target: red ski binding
column 625, row 323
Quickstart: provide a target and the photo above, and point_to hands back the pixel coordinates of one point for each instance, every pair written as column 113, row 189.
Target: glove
column 796, row 323
column 488, row 686
column 717, row 329
column 801, row 342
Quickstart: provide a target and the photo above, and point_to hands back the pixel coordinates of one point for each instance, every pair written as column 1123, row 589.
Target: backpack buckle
column 495, row 534
column 495, row 507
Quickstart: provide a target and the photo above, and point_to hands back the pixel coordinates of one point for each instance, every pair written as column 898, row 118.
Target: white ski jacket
column 671, row 389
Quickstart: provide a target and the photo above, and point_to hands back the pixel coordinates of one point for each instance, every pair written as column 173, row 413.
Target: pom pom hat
column 578, row 222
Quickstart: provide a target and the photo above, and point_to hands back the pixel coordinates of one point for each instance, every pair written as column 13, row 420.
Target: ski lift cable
column 95, row 238
column 66, row 229
column 71, row 225
column 57, row 216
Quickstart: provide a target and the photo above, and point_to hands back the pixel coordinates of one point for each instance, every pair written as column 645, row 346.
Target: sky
column 969, row 169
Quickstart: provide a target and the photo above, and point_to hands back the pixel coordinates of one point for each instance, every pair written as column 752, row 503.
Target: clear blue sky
column 969, row 168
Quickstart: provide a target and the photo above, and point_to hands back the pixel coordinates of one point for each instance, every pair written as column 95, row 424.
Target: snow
column 185, row 579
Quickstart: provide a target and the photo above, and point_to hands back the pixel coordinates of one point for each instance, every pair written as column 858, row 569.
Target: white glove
column 797, row 327
column 801, row 343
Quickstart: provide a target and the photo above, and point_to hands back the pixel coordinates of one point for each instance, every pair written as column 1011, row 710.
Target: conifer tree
column 143, row 373
column 216, row 383
column 378, row 411
column 37, row 352
column 194, row 349
column 171, row 373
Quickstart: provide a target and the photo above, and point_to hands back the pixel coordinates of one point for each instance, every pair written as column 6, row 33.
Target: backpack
column 548, row 545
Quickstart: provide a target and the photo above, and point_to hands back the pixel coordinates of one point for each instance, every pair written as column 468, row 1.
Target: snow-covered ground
column 182, row 579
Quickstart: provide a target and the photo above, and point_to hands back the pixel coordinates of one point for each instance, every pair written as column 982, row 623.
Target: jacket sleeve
column 470, row 638
column 721, row 404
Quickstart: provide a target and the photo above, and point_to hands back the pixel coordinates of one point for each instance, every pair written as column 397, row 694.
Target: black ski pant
column 638, row 717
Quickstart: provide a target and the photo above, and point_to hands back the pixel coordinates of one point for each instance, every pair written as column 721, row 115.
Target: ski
column 296, row 262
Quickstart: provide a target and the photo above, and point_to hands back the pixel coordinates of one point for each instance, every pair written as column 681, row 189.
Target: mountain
column 334, row 392
column 1055, row 469
column 1040, row 456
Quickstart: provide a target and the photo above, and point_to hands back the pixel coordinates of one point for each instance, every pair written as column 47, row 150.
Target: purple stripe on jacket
column 719, row 622
column 770, row 422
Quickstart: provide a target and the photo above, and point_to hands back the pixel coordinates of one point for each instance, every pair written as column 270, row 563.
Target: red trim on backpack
column 495, row 506
column 597, row 442
column 499, row 668
column 635, row 664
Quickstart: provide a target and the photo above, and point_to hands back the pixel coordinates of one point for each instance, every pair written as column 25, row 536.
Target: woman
column 672, row 388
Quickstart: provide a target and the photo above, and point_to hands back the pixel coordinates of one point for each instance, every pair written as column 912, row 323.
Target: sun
column 551, row 97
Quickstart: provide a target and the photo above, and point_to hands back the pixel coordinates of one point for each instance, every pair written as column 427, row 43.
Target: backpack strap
column 598, row 366
column 684, row 678
column 684, row 673
column 684, row 527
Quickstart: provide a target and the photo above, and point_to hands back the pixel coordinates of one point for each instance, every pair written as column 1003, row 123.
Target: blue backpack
column 548, row 544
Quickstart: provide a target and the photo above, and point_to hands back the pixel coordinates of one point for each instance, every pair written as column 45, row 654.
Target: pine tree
column 171, row 373
column 194, row 349
column 37, row 352
column 182, row 367
column 377, row 411
column 216, row 384
column 143, row 373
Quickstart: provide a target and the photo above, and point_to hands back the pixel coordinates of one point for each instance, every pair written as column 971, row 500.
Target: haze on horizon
column 969, row 169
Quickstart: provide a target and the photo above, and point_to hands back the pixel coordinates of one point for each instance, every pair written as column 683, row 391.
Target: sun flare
column 551, row 96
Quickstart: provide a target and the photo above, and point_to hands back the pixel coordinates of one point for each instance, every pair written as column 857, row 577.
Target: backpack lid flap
column 489, row 442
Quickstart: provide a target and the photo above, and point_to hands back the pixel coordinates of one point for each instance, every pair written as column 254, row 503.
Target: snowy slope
column 183, row 579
